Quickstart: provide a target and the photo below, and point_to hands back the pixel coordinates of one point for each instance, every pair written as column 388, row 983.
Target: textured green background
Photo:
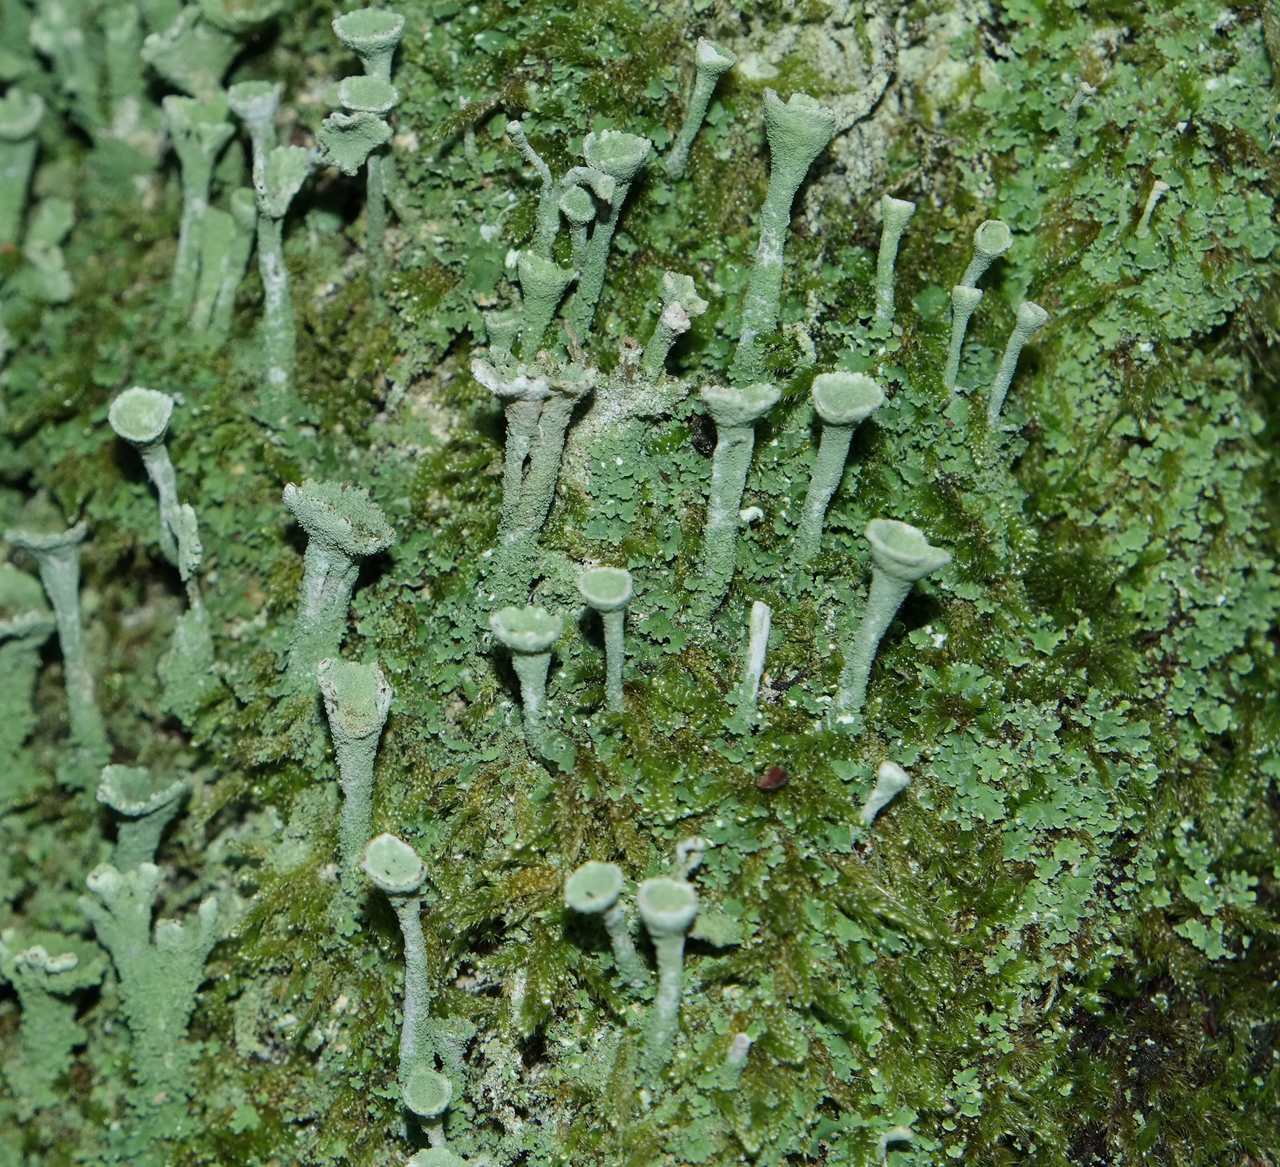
column 1058, row 947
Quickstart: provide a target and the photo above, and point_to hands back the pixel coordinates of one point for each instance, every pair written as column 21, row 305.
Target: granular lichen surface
column 1055, row 944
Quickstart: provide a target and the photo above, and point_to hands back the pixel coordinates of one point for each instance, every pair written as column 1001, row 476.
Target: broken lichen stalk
column 760, row 623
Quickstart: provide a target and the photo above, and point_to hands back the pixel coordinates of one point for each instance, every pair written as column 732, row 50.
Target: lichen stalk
column 895, row 214
column 710, row 61
column 1030, row 319
column 964, row 302
column 798, row 132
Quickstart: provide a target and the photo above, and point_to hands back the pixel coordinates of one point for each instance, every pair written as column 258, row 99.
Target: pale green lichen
column 964, row 302
column 798, row 131
column 595, row 889
column 891, row 780
column 1029, row 320
column 735, row 412
column 25, row 624
column 895, row 214
column 357, row 699
column 680, row 303
column 20, row 115
column 842, row 401
column 991, row 239
column 144, row 804
column 668, row 908
column 199, row 131
column 57, row 557
column 529, row 634
column 900, row 555
column 396, row 870
column 159, row 971
column 758, row 627
column 46, row 970
column 343, row 526
column 608, row 591
column 711, row 62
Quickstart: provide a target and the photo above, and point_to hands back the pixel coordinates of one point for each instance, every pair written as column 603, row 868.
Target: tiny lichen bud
column 894, row 214
column 1030, row 319
column 1158, row 190
column 710, row 63
column 900, row 555
column 668, row 908
column 990, row 241
column 964, row 302
column 891, row 780
column 842, row 401
column 529, row 633
column 608, row 590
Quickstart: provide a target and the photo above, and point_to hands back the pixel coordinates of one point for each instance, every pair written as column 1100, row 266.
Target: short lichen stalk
column 45, row 970
column 680, row 302
column 842, row 401
column 20, row 117
column 964, row 302
column 895, row 214
column 57, row 559
column 159, row 971
column 900, row 555
column 357, row 699
column 1030, row 319
column 595, row 889
column 343, row 526
column 537, row 493
column 891, row 780
column 395, row 868
column 529, row 633
column 608, row 591
column 798, row 132
column 523, row 397
column 199, row 131
column 991, row 239
column 735, row 413
column 759, row 625
column 542, row 287
column 144, row 805
column 668, row 908
column 710, row 63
